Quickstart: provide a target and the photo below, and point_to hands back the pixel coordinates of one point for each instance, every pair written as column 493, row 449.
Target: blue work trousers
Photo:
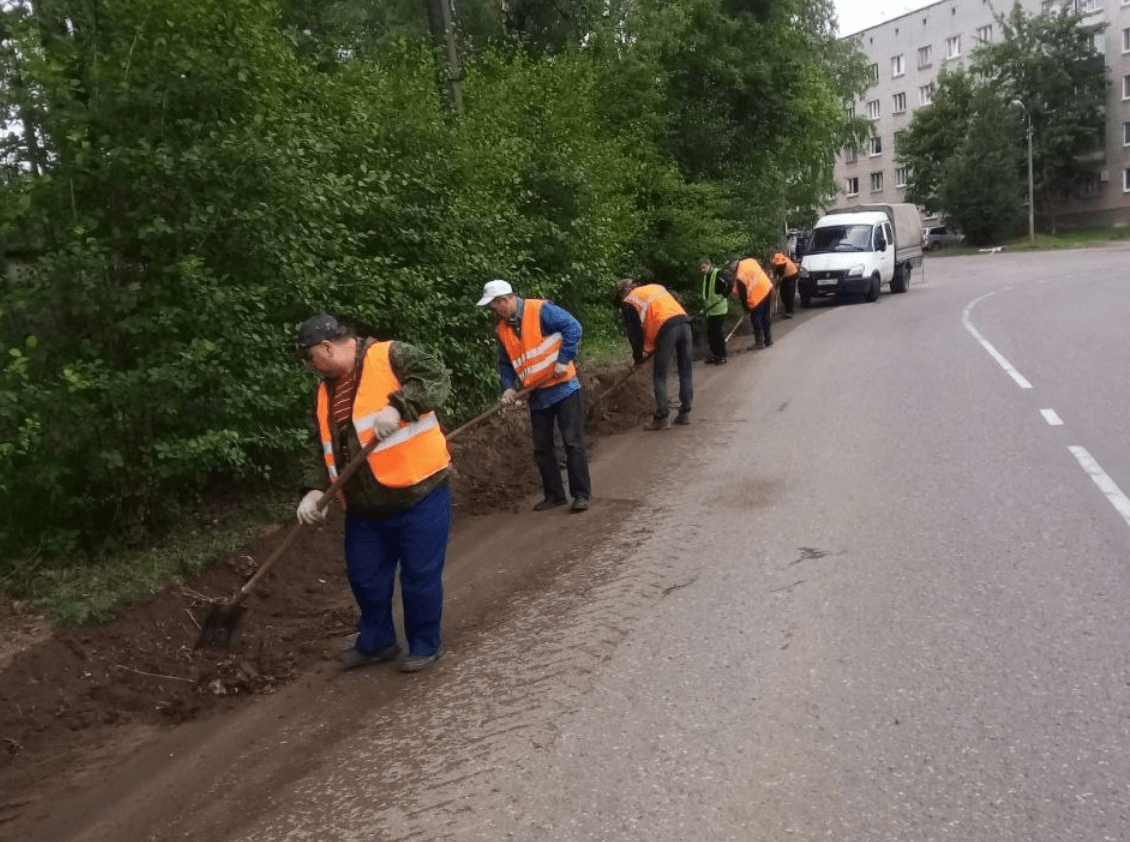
column 761, row 317
column 416, row 541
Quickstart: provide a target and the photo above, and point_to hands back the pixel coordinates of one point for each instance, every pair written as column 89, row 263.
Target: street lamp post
column 1031, row 204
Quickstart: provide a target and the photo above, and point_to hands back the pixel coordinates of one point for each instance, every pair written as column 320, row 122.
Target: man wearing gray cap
column 397, row 505
column 537, row 343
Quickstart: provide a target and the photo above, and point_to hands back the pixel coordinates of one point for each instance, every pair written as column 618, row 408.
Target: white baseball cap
column 493, row 290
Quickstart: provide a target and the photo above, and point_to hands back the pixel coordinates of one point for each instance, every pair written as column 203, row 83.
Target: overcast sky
column 855, row 15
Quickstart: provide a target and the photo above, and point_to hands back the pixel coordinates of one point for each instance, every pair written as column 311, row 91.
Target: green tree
column 1049, row 63
column 934, row 136
column 192, row 179
column 745, row 95
column 980, row 185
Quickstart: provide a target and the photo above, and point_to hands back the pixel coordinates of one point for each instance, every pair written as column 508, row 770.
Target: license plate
column 826, row 282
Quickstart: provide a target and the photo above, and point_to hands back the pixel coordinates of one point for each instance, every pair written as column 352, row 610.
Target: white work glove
column 560, row 368
column 308, row 511
column 386, row 422
column 509, row 396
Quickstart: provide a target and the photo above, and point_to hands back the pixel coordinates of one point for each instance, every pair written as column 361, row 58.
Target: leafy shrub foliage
column 189, row 180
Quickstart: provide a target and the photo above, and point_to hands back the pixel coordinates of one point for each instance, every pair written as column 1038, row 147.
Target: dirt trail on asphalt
column 98, row 716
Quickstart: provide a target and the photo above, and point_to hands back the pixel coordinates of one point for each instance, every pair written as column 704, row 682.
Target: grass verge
column 91, row 591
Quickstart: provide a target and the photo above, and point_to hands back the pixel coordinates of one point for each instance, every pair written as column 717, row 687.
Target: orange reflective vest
column 754, row 281
column 655, row 306
column 532, row 354
column 787, row 268
column 410, row 455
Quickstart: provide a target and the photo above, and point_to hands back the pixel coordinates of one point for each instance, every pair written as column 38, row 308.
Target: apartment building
column 907, row 54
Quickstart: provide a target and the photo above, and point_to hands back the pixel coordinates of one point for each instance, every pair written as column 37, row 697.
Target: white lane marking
column 993, row 352
column 1050, row 416
column 1106, row 485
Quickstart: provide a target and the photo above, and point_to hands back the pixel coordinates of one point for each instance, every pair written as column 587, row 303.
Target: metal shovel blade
column 220, row 627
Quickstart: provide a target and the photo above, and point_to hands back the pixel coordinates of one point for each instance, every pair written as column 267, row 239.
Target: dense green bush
column 192, row 180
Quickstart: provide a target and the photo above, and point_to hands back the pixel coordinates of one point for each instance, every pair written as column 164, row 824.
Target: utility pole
column 443, row 35
column 1031, row 203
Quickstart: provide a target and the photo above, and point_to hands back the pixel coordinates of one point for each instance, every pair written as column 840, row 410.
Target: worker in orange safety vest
column 754, row 290
column 398, row 504
column 785, row 274
column 537, row 344
column 658, row 325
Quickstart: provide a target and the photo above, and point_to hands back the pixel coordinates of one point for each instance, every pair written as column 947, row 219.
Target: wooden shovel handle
column 349, row 470
column 462, row 428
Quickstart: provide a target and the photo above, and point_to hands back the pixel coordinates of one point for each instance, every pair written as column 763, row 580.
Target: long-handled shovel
column 219, row 628
column 607, row 393
column 735, row 329
column 222, row 621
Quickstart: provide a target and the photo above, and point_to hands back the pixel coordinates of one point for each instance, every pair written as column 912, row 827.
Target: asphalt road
column 872, row 593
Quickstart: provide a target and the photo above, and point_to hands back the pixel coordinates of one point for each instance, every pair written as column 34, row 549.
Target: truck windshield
column 840, row 238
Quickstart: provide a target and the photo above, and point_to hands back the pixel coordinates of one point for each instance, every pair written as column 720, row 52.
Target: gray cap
column 318, row 329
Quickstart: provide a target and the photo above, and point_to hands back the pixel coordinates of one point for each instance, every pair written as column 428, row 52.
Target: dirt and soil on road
column 73, row 700
column 77, row 703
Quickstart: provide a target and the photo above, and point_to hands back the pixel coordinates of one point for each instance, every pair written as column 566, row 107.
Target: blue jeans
column 416, row 540
column 761, row 317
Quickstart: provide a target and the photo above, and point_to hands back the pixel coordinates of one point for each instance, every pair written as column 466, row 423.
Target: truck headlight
column 856, row 271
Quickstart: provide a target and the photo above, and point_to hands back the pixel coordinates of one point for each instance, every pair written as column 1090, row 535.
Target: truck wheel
column 873, row 292
column 805, row 301
column 901, row 279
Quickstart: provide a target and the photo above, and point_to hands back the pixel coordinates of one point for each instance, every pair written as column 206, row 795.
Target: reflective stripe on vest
column 655, row 306
column 756, row 282
column 410, row 455
column 715, row 304
column 532, row 354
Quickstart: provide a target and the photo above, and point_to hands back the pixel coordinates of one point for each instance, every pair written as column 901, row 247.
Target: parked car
column 939, row 235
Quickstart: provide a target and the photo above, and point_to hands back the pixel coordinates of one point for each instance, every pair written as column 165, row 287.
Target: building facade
column 907, row 54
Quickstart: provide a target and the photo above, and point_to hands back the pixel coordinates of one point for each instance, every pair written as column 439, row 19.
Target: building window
column 1126, row 86
column 873, row 72
column 1126, row 180
column 876, row 146
column 1098, row 43
column 850, row 111
column 900, row 103
column 985, row 33
column 1088, row 5
column 898, row 141
column 1126, row 40
column 900, row 176
column 851, row 154
column 1089, row 189
column 926, row 94
column 873, row 109
column 923, row 57
column 852, row 186
column 1126, row 133
column 898, row 66
column 877, row 182
column 953, row 47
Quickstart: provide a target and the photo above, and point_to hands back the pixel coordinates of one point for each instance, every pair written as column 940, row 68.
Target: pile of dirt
column 58, row 695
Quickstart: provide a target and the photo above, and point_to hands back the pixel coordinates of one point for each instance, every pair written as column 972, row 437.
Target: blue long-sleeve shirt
column 554, row 319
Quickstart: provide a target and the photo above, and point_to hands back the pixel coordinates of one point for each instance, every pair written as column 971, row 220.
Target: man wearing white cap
column 537, row 343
